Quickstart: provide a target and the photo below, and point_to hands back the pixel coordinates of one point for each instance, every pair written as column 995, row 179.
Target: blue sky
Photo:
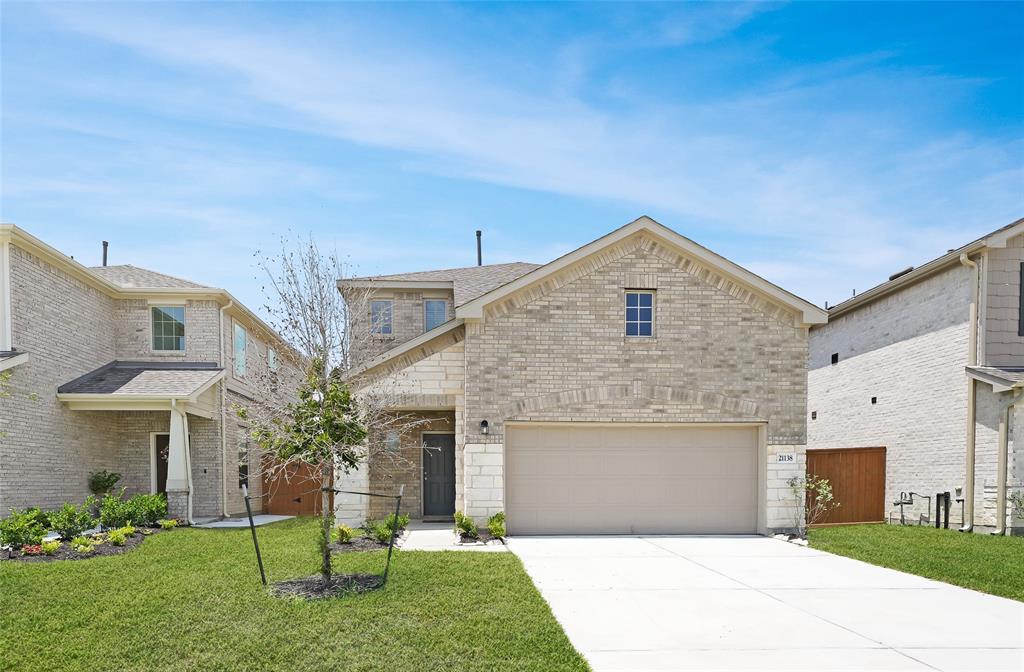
column 823, row 146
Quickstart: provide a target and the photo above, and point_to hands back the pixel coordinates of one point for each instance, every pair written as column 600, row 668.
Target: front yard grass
column 979, row 561
column 191, row 600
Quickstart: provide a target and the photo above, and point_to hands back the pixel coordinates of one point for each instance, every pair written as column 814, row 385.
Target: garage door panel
column 588, row 479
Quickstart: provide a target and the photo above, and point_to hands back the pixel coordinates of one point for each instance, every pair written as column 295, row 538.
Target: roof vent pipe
column 479, row 250
column 105, row 246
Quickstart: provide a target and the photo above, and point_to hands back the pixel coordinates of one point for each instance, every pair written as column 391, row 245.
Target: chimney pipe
column 105, row 246
column 479, row 251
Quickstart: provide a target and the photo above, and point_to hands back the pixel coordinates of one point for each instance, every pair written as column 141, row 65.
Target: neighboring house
column 128, row 370
column 905, row 364
column 639, row 384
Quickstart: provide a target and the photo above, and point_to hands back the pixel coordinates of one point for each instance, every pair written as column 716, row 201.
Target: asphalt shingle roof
column 126, row 275
column 1010, row 374
column 169, row 378
column 469, row 282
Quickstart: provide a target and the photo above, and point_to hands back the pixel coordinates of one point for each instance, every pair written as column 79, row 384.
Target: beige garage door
column 580, row 478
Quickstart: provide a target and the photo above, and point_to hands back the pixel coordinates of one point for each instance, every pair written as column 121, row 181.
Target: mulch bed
column 65, row 552
column 357, row 544
column 484, row 538
column 314, row 588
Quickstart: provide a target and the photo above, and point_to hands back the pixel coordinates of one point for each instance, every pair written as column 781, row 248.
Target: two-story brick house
column 927, row 366
column 641, row 383
column 128, row 370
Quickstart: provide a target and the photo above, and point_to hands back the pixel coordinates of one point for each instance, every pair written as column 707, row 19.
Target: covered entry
column 589, row 478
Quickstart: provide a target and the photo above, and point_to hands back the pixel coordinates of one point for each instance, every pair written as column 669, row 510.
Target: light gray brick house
column 926, row 365
column 641, row 383
column 128, row 370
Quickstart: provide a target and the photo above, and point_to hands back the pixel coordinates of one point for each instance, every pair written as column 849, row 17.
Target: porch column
column 177, row 466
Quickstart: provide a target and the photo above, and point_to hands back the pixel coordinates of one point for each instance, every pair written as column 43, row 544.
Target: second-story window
column 168, row 326
column 380, row 317
column 639, row 313
column 434, row 313
column 241, row 341
column 271, row 360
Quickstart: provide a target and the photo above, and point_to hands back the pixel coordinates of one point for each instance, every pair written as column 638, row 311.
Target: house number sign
column 786, row 457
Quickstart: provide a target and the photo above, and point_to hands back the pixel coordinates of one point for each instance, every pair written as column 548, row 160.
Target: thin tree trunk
column 328, row 518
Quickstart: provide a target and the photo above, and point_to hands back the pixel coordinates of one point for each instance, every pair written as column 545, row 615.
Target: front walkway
column 754, row 603
column 420, row 536
column 257, row 519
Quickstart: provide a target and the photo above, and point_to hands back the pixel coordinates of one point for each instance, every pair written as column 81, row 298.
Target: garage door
column 580, row 478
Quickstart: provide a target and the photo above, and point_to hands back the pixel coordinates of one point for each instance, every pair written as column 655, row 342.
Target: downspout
column 223, row 417
column 188, row 463
column 967, row 524
column 1004, row 424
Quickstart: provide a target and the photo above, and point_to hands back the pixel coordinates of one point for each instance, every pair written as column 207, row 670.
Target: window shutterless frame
column 167, row 326
column 381, row 316
column 434, row 313
column 639, row 313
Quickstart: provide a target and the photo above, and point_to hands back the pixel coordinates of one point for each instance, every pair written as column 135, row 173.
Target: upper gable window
column 168, row 327
column 381, row 316
column 241, row 341
column 639, row 313
column 434, row 313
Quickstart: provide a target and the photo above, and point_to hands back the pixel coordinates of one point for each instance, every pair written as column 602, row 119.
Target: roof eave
column 403, row 348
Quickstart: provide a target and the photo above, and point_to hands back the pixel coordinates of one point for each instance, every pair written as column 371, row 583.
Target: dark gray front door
column 438, row 474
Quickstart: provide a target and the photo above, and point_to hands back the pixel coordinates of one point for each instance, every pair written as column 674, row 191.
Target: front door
column 438, row 475
column 161, row 446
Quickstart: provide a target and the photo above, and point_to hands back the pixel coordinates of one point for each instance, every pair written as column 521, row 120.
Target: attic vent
column 835, row 357
column 897, row 274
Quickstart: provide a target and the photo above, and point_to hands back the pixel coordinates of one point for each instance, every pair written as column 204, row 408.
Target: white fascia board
column 810, row 314
column 396, row 284
column 11, row 362
column 403, row 348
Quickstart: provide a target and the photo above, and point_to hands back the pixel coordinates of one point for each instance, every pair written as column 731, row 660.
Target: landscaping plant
column 32, row 549
column 168, row 524
column 818, row 499
column 496, row 525
column 50, row 547
column 465, row 527
column 379, row 530
column 147, row 509
column 69, row 521
column 397, row 524
column 102, row 482
column 115, row 511
column 22, row 528
column 343, row 533
column 119, row 536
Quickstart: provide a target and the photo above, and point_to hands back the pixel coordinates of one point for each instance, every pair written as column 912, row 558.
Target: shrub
column 50, row 547
column 70, row 521
column 397, row 523
column 119, row 536
column 21, row 528
column 147, row 509
column 496, row 525
column 115, row 512
column 465, row 526
column 102, row 482
column 380, row 531
column 343, row 533
column 168, row 524
column 32, row 549
column 84, row 545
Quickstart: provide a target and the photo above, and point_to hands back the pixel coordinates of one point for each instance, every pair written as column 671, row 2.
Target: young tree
column 818, row 500
column 314, row 418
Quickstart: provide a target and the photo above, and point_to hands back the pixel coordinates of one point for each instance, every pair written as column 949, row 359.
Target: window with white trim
column 380, row 317
column 271, row 360
column 434, row 313
column 168, row 327
column 241, row 342
column 639, row 313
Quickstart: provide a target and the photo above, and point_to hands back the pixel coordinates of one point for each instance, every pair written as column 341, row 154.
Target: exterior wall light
column 483, row 426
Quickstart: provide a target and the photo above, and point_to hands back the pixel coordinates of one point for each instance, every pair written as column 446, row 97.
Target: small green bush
column 50, row 547
column 115, row 511
column 343, row 533
column 22, row 528
column 398, row 523
column 380, row 531
column 83, row 545
column 102, row 482
column 119, row 536
column 465, row 526
column 496, row 525
column 70, row 521
column 168, row 524
column 146, row 509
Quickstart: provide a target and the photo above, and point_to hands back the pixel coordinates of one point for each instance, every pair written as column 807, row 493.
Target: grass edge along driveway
column 982, row 562
column 191, row 599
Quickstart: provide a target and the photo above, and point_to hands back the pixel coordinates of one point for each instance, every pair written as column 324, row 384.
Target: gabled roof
column 996, row 239
column 467, row 283
column 179, row 380
column 809, row 313
column 126, row 275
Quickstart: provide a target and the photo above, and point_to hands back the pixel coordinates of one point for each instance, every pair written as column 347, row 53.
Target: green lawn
column 191, row 599
column 979, row 561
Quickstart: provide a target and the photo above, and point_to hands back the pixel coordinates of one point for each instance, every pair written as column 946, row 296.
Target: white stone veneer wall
column 784, row 507
column 484, row 479
column 352, row 509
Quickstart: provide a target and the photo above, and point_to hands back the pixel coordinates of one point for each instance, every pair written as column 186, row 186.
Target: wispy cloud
column 849, row 191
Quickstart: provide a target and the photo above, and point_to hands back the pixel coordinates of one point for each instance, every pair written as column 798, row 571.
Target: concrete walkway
column 753, row 603
column 258, row 519
column 420, row 536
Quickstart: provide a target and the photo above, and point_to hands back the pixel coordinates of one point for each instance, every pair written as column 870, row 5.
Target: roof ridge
column 445, row 270
column 150, row 270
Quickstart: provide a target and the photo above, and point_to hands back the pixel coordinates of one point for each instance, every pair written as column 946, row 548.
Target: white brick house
column 127, row 370
column 903, row 364
column 639, row 384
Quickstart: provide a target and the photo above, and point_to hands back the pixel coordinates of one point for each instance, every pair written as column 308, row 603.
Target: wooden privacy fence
column 298, row 494
column 857, row 476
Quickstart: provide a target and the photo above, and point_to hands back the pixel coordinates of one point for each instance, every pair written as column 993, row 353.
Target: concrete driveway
column 754, row 603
